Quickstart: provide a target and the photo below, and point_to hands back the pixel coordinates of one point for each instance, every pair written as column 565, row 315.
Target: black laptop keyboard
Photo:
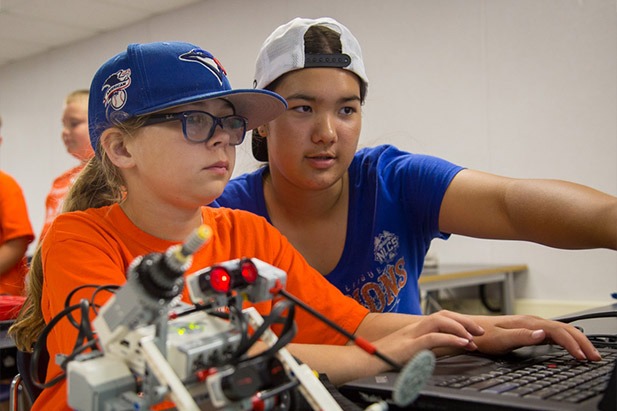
column 557, row 378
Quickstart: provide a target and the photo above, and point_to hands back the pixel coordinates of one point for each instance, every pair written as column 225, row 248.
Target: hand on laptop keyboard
column 506, row 333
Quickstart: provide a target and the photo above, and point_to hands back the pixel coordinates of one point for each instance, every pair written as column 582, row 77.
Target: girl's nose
column 220, row 137
column 325, row 129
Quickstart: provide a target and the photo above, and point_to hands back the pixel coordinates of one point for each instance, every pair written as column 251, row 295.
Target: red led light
column 220, row 279
column 249, row 271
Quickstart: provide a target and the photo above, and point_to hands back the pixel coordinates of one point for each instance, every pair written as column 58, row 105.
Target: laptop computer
column 534, row 378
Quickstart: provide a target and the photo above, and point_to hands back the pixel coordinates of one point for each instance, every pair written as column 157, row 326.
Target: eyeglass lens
column 201, row 126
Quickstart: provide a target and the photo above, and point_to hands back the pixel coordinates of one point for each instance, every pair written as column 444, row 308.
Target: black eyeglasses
column 199, row 126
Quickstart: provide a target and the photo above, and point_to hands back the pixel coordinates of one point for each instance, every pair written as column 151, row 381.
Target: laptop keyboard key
column 543, row 393
column 501, row 388
column 520, row 391
column 479, row 386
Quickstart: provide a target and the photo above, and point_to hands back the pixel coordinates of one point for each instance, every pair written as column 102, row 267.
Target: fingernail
column 537, row 334
column 463, row 340
column 481, row 329
column 581, row 353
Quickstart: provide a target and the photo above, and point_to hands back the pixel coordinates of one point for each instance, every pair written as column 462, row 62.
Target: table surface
column 452, row 271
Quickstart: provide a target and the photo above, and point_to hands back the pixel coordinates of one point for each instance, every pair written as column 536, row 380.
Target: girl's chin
column 212, row 195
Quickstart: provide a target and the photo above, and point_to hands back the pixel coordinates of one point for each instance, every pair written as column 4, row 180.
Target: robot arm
column 195, row 357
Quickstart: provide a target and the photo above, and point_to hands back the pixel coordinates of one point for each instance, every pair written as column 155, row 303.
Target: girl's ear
column 113, row 142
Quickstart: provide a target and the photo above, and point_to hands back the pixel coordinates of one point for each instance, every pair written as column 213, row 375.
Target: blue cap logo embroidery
column 207, row 60
column 114, row 89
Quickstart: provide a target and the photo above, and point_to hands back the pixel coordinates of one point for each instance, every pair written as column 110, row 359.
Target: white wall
column 524, row 88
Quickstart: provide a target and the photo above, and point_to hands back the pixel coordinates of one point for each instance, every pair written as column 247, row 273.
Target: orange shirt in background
column 55, row 198
column 14, row 223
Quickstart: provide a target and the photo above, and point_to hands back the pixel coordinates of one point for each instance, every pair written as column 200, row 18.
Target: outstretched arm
column 11, row 252
column 550, row 212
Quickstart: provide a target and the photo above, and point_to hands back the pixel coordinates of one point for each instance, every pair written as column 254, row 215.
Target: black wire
column 288, row 332
column 77, row 351
column 590, row 316
column 600, row 336
column 200, row 307
column 85, row 329
column 265, row 394
column 81, row 336
column 109, row 288
column 286, row 335
column 241, row 324
column 219, row 314
column 597, row 339
column 67, row 302
column 41, row 343
column 85, row 333
column 275, row 313
column 485, row 302
column 603, row 340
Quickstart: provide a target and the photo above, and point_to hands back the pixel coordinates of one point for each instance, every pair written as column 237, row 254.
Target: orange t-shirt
column 14, row 223
column 96, row 246
column 59, row 188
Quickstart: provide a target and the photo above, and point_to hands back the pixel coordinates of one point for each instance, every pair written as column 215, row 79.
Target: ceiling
column 28, row 27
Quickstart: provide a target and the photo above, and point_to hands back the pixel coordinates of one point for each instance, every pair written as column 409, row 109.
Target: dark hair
column 317, row 40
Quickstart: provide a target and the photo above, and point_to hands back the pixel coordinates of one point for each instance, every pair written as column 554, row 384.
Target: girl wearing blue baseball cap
column 164, row 123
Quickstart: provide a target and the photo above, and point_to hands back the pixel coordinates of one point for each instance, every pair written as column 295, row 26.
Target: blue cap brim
column 257, row 106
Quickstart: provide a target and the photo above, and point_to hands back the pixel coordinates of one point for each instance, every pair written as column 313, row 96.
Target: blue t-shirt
column 394, row 202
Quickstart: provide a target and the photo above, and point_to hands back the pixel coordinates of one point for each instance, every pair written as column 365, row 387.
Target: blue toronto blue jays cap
column 147, row 78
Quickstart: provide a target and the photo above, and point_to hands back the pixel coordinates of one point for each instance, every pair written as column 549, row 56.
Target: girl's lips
column 321, row 161
column 221, row 167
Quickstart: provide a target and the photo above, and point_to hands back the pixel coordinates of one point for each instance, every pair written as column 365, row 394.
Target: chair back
column 23, row 366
